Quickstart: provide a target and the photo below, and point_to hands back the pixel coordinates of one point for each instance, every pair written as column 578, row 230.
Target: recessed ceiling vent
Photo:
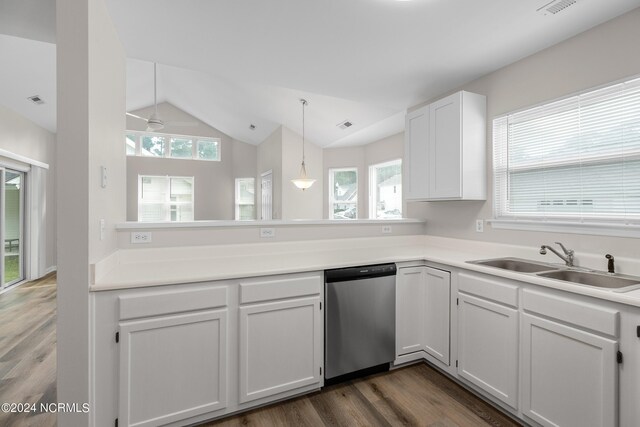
column 556, row 6
column 36, row 99
column 345, row 124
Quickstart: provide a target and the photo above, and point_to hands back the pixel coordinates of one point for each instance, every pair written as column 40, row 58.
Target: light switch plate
column 386, row 229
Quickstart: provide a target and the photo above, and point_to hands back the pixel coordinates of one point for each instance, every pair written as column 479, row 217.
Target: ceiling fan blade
column 185, row 124
column 136, row 117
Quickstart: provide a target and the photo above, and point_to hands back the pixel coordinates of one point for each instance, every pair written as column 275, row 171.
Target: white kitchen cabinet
column 569, row 375
column 423, row 311
column 449, row 163
column 410, row 309
column 416, row 147
column 172, row 367
column 281, row 347
column 569, row 361
column 281, row 333
column 437, row 313
column 488, row 347
column 457, row 147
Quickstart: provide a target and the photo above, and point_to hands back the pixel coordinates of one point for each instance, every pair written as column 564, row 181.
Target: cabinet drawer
column 145, row 304
column 579, row 313
column 488, row 288
column 280, row 287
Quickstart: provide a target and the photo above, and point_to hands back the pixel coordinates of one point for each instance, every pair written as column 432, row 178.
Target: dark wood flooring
column 416, row 395
column 28, row 351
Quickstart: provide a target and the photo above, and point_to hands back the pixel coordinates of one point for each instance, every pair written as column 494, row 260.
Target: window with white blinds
column 165, row 198
column 576, row 160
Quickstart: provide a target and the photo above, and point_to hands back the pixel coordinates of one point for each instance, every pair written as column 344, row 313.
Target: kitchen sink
column 615, row 282
column 515, row 264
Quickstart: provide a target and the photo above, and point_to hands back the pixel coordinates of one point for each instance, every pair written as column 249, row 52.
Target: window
column 343, row 193
column 245, row 199
column 172, row 146
column 385, row 190
column 575, row 160
column 152, row 145
column 208, row 149
column 165, row 198
column 181, row 148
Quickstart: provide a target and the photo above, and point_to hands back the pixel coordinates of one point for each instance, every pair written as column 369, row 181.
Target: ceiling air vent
column 36, row 99
column 345, row 124
column 556, row 6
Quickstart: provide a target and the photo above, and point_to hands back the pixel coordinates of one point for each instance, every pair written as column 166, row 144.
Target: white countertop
column 133, row 268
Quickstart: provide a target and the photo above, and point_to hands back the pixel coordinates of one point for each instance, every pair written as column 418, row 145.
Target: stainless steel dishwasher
column 360, row 319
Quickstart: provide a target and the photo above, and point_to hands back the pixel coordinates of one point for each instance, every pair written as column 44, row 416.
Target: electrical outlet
column 102, row 229
column 141, row 237
column 267, row 232
column 479, row 225
column 386, row 229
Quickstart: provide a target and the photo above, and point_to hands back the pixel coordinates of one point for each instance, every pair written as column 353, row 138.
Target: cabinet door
column 280, row 347
column 569, row 375
column 416, row 154
column 410, row 309
column 172, row 367
column 445, row 148
column 436, row 313
column 488, row 347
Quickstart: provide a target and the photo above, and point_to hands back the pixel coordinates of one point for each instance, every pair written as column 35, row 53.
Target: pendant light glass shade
column 302, row 182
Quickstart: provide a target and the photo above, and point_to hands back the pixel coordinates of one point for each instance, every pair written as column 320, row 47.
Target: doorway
column 11, row 227
column 266, row 186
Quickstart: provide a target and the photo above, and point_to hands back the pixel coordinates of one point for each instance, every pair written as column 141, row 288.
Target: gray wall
column 595, row 57
column 269, row 157
column 361, row 157
column 214, row 182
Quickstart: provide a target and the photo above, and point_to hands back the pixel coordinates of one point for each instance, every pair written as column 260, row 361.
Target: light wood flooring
column 417, row 395
column 28, row 350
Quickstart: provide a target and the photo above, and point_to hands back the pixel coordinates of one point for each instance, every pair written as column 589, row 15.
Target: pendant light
column 303, row 182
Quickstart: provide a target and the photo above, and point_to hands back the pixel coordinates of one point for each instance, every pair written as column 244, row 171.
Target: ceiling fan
column 154, row 122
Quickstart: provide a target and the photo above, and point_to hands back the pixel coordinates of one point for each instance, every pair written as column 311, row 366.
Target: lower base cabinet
column 423, row 299
column 281, row 347
column 172, row 367
column 488, row 347
column 569, row 375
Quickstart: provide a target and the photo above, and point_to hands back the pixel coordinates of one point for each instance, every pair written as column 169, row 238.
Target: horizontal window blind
column 576, row 159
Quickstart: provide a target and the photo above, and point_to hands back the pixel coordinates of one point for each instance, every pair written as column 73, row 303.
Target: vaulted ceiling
column 232, row 63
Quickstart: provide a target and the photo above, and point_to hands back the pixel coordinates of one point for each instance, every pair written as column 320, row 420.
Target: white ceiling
column 235, row 62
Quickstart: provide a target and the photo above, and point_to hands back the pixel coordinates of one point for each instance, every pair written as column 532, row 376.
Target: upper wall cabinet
column 445, row 149
column 416, row 138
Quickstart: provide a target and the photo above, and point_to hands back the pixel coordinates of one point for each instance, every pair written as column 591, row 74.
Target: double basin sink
column 611, row 281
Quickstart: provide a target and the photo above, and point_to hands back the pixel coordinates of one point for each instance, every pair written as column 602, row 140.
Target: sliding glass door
column 12, row 227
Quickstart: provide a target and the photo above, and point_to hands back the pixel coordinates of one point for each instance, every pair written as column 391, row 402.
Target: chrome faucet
column 567, row 257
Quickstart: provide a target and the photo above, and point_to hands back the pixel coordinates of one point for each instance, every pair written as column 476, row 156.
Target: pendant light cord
column 155, row 88
column 304, row 103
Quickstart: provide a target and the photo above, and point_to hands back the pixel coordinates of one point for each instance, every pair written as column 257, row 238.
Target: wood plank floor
column 28, row 350
column 417, row 395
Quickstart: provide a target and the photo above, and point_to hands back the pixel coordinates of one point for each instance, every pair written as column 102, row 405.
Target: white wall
column 603, row 54
column 361, row 157
column 91, row 104
column 21, row 136
column 269, row 158
column 298, row 204
column 214, row 181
